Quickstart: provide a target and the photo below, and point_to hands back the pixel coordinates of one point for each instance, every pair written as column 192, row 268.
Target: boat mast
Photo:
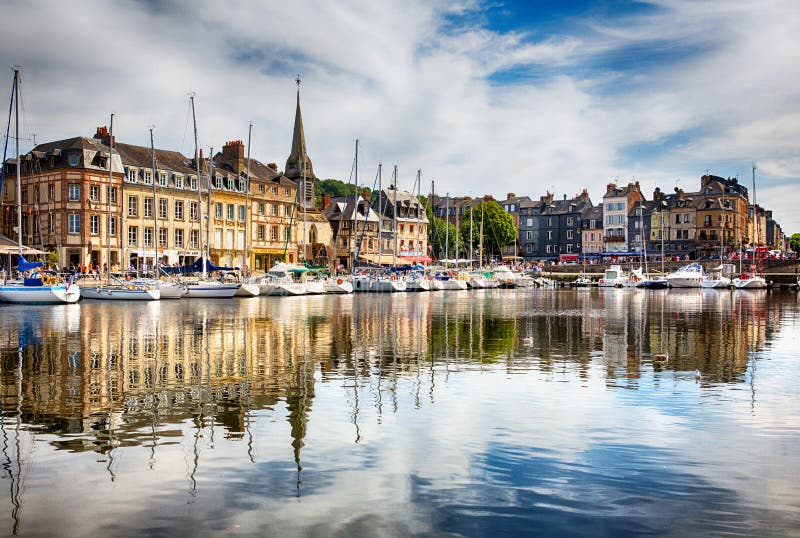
column 208, row 206
column 155, row 205
column 19, row 179
column 199, row 190
column 394, row 215
column 380, row 211
column 419, row 208
column 755, row 221
column 446, row 225
column 354, row 231
column 108, row 199
column 247, row 198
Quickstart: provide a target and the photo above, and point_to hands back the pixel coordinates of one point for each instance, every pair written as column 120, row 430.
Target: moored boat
column 688, row 276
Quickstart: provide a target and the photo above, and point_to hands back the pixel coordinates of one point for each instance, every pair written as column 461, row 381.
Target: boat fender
column 394, row 277
column 127, row 277
column 339, row 281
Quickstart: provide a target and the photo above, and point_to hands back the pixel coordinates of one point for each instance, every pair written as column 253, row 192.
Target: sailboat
column 417, row 279
column 752, row 280
column 204, row 287
column 248, row 288
column 36, row 286
column 133, row 291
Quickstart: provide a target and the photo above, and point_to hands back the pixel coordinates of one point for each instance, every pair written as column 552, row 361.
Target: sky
column 485, row 97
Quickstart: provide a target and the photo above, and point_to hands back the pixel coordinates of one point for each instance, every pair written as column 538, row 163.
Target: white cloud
column 416, row 89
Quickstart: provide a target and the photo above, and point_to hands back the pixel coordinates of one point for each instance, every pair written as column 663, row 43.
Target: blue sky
column 485, row 97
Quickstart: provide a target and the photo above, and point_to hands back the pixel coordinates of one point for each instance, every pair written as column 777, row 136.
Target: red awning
column 568, row 257
column 418, row 259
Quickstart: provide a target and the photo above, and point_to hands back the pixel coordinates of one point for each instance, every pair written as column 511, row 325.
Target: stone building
column 617, row 202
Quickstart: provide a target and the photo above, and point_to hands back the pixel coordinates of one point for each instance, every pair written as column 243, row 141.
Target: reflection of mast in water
column 297, row 405
column 16, row 481
column 199, row 418
column 110, row 424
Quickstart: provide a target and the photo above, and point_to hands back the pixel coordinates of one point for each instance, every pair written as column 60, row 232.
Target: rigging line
column 366, row 216
column 185, row 128
column 21, row 105
column 8, row 130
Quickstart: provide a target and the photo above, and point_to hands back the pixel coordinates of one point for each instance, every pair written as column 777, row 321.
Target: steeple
column 294, row 164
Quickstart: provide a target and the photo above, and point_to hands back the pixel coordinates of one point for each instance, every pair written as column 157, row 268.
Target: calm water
column 496, row 412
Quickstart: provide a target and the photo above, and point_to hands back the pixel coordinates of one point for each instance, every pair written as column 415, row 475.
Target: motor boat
column 688, row 276
column 614, row 277
column 718, row 278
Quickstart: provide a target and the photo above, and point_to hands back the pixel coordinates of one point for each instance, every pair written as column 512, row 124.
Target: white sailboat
column 36, row 286
column 719, row 277
column 279, row 281
column 688, row 276
column 204, row 287
column 752, row 280
column 141, row 290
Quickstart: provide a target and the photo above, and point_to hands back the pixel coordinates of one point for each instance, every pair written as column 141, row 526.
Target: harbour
column 510, row 411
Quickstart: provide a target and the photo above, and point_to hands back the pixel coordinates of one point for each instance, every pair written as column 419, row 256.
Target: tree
column 498, row 227
column 441, row 234
column 794, row 242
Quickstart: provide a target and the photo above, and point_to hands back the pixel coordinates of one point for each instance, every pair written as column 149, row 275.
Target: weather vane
column 297, row 80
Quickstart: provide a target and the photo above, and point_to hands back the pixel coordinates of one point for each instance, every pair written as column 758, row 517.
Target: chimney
column 510, row 196
column 366, row 195
column 565, row 196
column 103, row 135
column 326, row 200
column 233, row 154
column 584, row 195
column 273, row 166
column 611, row 186
column 657, row 195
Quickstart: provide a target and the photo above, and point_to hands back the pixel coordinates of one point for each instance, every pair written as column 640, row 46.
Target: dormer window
column 230, row 184
column 178, row 181
column 74, row 159
column 162, row 179
column 193, row 183
column 132, row 174
column 147, row 177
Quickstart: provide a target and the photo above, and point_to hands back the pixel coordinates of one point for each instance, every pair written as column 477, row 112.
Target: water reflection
column 206, row 385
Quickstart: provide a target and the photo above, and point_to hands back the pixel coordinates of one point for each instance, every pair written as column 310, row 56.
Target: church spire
column 294, row 164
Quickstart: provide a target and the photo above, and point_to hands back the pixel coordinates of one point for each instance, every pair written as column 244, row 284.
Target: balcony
column 614, row 239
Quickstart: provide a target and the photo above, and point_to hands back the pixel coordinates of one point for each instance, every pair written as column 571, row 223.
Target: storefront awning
column 417, row 259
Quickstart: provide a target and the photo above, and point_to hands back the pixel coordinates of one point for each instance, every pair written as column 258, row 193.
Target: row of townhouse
column 99, row 201
column 715, row 220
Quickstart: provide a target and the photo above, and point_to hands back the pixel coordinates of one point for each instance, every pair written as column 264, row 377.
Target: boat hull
column 120, row 293
column 282, row 289
column 210, row 290
column 248, row 289
column 314, row 287
column 716, row 283
column 40, row 294
column 751, row 283
column 339, row 285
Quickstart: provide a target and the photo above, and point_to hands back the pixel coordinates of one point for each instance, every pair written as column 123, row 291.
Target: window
column 231, row 211
column 112, row 226
column 230, row 184
column 677, row 219
column 549, row 234
column 193, row 183
column 178, row 209
column 194, row 238
column 288, row 192
column 687, row 217
column 707, row 220
column 112, row 195
column 242, row 213
column 570, row 221
column 131, row 174
column 260, row 232
column 218, row 237
column 620, row 219
column 288, row 234
column 74, row 192
column 529, row 235
column 74, row 159
column 133, row 235
column 162, row 179
column 275, row 191
column 162, row 237
column 94, row 224
column 548, row 249
column 260, row 208
column 133, row 206
column 148, row 207
column 178, row 238
column 273, row 233
column 193, row 207
column 592, row 224
column 274, row 209
column 228, row 239
column 147, row 177
column 52, row 224
column 529, row 222
column 51, row 192
column 569, row 247
column 549, row 221
column 148, row 237
column 74, row 223
column 636, row 224
column 218, row 210
column 162, row 208
column 178, row 181
column 569, row 234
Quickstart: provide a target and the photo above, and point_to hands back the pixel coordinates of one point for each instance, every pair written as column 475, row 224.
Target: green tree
column 442, row 234
column 794, row 242
column 498, row 227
